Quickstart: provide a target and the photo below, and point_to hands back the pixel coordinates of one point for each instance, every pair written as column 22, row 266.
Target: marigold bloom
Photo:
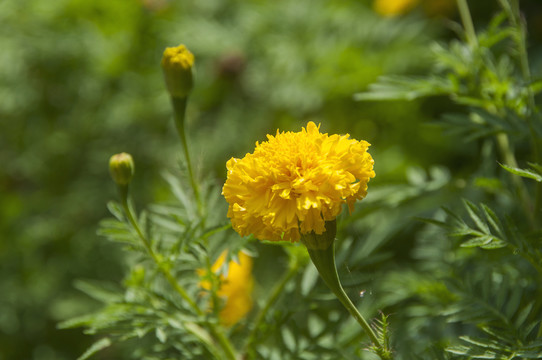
column 235, row 287
column 294, row 182
column 394, row 7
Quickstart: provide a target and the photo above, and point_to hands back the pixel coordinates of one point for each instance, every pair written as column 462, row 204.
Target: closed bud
column 121, row 167
column 177, row 63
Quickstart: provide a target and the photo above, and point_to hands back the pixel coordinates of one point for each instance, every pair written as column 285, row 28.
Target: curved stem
column 218, row 335
column 324, row 260
column 321, row 250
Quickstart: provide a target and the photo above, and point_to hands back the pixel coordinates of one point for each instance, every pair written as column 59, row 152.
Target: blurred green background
column 80, row 80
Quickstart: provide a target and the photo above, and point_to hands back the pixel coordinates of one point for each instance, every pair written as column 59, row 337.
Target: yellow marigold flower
column 394, row 7
column 294, row 182
column 235, row 287
column 177, row 63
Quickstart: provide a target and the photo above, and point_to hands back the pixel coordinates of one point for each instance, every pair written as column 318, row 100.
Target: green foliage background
column 80, row 80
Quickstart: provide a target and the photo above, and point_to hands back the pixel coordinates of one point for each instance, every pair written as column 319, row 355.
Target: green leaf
column 98, row 292
column 289, row 339
column 522, row 315
column 473, row 212
column 161, row 335
column 495, row 244
column 493, row 220
column 117, row 231
column 179, row 192
column 479, row 241
column 94, row 348
column 523, row 172
column 116, row 210
column 84, row 320
column 404, row 88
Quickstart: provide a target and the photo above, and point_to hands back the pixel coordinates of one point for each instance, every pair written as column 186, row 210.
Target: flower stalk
column 466, row 19
column 179, row 108
column 218, row 335
column 177, row 67
column 321, row 250
column 122, row 169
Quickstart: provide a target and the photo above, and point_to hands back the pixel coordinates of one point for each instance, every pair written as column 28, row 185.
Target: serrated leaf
column 289, row 339
column 98, row 292
column 115, row 230
column 530, row 174
column 76, row 322
column 116, row 210
column 523, row 314
column 94, row 348
column 483, row 343
column 404, row 88
column 310, row 276
column 468, row 351
column 473, row 213
column 495, row 244
column 179, row 193
column 493, row 220
column 438, row 223
column 203, row 336
column 161, row 335
column 477, row 242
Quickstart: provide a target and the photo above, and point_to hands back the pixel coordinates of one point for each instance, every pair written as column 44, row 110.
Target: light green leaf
column 98, row 292
column 289, row 339
column 479, row 241
column 523, row 172
column 161, row 335
column 116, row 210
column 473, row 212
column 94, row 348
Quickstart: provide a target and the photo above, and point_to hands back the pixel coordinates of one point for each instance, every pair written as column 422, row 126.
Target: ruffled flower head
column 294, row 182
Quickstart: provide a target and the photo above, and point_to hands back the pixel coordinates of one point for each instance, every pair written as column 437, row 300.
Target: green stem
column 218, row 335
column 324, row 260
column 179, row 107
column 271, row 300
column 321, row 250
column 466, row 19
column 514, row 15
column 510, row 160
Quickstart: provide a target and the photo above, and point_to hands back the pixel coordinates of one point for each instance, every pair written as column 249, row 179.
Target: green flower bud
column 177, row 63
column 121, row 167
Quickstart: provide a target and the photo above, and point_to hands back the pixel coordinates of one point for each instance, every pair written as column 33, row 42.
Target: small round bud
column 121, row 167
column 177, row 63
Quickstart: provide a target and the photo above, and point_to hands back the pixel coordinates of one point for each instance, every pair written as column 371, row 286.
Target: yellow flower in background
column 177, row 63
column 235, row 287
column 294, row 182
column 400, row 7
column 394, row 7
